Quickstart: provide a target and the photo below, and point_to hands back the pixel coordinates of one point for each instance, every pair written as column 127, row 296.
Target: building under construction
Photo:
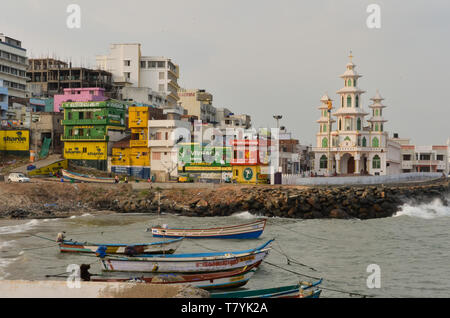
column 55, row 75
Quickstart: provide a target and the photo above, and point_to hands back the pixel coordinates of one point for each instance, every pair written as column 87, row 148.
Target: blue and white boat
column 184, row 263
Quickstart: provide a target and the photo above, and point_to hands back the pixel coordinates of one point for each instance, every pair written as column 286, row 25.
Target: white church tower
column 356, row 147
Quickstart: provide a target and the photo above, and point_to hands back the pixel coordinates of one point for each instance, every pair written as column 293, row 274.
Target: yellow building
column 131, row 156
column 254, row 174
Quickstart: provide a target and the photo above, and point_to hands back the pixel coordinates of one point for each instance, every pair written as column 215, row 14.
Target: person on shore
column 126, row 179
column 116, row 179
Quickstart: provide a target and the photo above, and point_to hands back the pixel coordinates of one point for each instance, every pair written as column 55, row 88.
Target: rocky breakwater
column 362, row 202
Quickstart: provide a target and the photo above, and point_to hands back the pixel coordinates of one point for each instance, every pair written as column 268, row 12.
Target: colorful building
column 250, row 161
column 131, row 156
column 89, row 94
column 90, row 129
column 204, row 162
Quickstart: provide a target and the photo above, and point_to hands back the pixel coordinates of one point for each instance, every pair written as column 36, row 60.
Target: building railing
column 84, row 121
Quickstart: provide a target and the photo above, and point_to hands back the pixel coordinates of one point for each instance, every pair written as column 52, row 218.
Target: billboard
column 85, row 150
column 14, row 140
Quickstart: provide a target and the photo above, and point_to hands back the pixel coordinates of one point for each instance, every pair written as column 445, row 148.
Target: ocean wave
column 12, row 229
column 432, row 210
column 245, row 215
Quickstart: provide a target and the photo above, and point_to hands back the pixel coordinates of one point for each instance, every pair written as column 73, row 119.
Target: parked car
column 17, row 177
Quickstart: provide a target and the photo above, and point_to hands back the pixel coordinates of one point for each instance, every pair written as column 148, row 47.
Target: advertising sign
column 14, row 140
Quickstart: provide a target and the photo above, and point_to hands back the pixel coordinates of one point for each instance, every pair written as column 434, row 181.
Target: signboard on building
column 85, row 150
column 14, row 140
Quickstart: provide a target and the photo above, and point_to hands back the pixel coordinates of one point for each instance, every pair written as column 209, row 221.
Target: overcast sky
column 268, row 57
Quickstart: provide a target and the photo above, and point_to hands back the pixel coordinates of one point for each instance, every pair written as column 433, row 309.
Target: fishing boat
column 300, row 290
column 163, row 247
column 243, row 231
column 184, row 263
column 209, row 281
column 84, row 178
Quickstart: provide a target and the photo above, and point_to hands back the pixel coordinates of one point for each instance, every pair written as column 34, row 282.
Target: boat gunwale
column 79, row 243
column 176, row 258
column 242, row 271
column 216, row 228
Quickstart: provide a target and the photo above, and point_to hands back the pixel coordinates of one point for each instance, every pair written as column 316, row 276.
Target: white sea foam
column 432, row 210
column 244, row 215
column 12, row 229
column 5, row 261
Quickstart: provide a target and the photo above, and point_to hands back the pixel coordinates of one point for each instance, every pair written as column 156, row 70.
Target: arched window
column 364, row 142
column 376, row 112
column 348, row 124
column 325, row 128
column 358, row 124
column 376, row 127
column 349, row 101
column 342, row 101
column 323, row 162
column 375, row 142
column 357, row 101
column 376, row 162
column 325, row 143
column 349, row 82
column 340, row 124
column 381, row 127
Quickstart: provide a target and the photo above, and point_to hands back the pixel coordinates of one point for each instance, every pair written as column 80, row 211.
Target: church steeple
column 350, row 114
column 323, row 120
column 377, row 121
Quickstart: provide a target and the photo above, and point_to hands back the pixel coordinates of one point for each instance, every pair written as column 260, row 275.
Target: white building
column 130, row 68
column 143, row 95
column 164, row 135
column 354, row 147
column 198, row 102
column 13, row 66
column 226, row 119
column 425, row 158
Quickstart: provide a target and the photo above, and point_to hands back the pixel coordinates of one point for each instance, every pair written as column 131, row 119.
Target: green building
column 90, row 129
column 204, row 163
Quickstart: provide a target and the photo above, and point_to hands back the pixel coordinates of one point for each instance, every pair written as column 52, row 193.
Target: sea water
column 410, row 249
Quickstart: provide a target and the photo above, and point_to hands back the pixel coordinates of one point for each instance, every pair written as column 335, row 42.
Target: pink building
column 87, row 94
